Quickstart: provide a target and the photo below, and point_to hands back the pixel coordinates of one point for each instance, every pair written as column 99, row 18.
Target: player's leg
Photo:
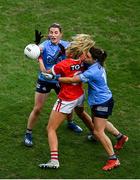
column 84, row 116
column 100, row 115
column 72, row 125
column 57, row 116
column 39, row 103
column 55, row 120
column 121, row 138
column 41, row 94
column 33, row 117
column 70, row 122
column 99, row 127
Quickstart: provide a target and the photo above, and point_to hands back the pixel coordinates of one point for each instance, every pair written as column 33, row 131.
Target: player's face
column 88, row 58
column 55, row 35
column 82, row 57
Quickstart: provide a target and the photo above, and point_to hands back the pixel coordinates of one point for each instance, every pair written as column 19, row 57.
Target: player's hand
column 38, row 37
column 49, row 76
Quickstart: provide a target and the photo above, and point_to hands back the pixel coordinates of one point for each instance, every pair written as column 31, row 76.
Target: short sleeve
column 57, row 69
column 41, row 46
column 83, row 78
column 88, row 75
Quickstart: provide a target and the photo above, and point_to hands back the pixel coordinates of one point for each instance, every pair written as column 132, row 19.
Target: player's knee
column 37, row 110
column 98, row 133
column 50, row 128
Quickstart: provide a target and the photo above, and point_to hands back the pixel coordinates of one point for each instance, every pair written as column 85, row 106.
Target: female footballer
column 100, row 101
column 71, row 96
column 53, row 51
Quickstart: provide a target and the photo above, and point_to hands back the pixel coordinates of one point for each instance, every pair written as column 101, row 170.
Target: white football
column 32, row 51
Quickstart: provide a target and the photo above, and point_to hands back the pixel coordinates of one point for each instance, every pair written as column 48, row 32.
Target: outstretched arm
column 75, row 79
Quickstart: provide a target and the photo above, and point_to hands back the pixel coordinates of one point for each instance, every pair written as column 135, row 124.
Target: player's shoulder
column 45, row 43
column 94, row 70
column 65, row 62
column 64, row 43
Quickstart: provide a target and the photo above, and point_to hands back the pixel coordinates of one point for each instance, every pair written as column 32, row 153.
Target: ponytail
column 98, row 54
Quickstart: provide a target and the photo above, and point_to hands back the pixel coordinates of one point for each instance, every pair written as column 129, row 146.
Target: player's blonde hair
column 81, row 43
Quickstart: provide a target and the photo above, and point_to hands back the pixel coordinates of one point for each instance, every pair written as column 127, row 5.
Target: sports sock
column 29, row 131
column 70, row 121
column 54, row 155
column 112, row 157
column 119, row 136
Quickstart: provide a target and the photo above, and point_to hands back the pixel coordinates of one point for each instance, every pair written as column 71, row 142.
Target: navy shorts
column 103, row 110
column 46, row 87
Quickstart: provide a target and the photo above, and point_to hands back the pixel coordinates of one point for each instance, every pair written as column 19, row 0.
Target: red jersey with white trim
column 69, row 68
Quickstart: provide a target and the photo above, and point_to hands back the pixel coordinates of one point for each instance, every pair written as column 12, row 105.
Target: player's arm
column 50, row 74
column 41, row 64
column 53, row 73
column 74, row 79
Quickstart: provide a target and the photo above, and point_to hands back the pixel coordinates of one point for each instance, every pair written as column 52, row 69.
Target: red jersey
column 69, row 68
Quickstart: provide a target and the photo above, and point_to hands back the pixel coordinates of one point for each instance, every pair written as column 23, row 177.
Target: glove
column 49, row 76
column 38, row 36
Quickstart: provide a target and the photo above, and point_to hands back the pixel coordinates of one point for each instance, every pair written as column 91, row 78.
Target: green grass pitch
column 115, row 27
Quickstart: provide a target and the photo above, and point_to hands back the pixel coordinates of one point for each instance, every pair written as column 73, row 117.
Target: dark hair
column 55, row 25
column 98, row 54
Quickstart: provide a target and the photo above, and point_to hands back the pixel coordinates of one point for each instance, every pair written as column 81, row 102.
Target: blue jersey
column 98, row 90
column 50, row 54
